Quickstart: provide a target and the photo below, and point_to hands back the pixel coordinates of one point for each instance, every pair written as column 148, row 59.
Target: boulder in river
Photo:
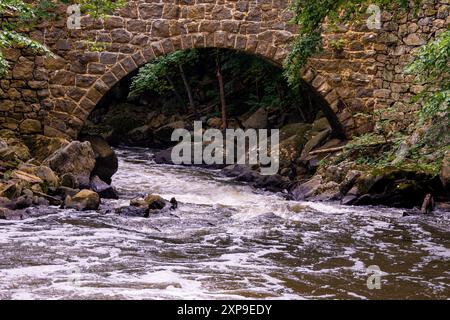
column 8, row 214
column 164, row 156
column 397, row 188
column 155, row 202
column 66, row 191
column 273, row 183
column 77, row 158
column 23, row 202
column 133, row 211
column 307, row 189
column 83, row 200
column 138, row 202
column 106, row 162
column 103, row 189
column 151, row 204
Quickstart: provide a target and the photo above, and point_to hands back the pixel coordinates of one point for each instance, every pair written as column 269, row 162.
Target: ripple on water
column 225, row 241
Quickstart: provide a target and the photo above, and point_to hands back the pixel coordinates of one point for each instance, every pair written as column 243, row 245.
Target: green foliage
column 14, row 39
column 309, row 15
column 262, row 79
column 337, row 44
column 96, row 46
column 100, row 8
column 21, row 14
column 153, row 76
column 432, row 67
column 8, row 38
column 249, row 82
column 305, row 46
column 425, row 154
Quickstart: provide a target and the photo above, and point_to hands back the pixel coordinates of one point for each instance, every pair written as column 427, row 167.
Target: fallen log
column 329, row 150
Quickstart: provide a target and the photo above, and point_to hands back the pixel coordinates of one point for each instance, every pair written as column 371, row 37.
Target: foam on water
column 225, row 241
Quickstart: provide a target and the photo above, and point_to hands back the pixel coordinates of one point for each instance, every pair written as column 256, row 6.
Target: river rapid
column 226, row 240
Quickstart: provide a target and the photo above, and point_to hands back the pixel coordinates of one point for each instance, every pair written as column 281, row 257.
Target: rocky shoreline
column 42, row 171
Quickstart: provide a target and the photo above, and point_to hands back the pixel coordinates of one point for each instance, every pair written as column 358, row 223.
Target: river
column 225, row 241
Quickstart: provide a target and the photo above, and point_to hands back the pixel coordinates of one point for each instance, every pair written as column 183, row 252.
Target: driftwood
column 335, row 149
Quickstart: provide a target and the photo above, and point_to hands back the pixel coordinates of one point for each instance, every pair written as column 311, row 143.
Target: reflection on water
column 226, row 240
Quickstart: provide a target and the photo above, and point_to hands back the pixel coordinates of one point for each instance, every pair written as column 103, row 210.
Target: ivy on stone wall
column 432, row 66
column 24, row 15
column 12, row 13
column 310, row 16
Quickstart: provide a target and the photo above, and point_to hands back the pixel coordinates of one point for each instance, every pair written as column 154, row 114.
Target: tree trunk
column 177, row 94
column 188, row 89
column 222, row 97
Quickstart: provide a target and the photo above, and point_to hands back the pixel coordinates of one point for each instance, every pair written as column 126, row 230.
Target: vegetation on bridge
column 24, row 15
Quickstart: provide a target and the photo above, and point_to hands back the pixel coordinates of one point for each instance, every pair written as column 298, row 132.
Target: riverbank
column 314, row 166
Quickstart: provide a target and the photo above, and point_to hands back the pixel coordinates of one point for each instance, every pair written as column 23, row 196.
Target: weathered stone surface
column 104, row 190
column 106, row 162
column 76, row 158
column 30, row 126
column 308, row 189
column 8, row 214
column 414, row 40
column 27, row 177
column 48, row 177
column 83, row 200
column 41, row 146
column 258, row 120
column 13, row 149
column 368, row 68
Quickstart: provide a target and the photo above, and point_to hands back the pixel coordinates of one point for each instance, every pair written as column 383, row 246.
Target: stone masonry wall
column 361, row 71
column 54, row 96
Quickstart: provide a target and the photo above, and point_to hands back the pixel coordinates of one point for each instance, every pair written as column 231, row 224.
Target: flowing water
column 226, row 240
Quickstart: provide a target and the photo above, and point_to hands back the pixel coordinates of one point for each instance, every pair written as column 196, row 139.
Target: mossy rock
column 155, row 201
column 320, row 125
column 42, row 146
column 294, row 129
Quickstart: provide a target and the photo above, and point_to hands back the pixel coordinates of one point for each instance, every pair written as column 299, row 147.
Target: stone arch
column 56, row 95
column 147, row 29
column 133, row 62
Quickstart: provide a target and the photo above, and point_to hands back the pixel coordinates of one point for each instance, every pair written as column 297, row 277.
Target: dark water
column 226, row 240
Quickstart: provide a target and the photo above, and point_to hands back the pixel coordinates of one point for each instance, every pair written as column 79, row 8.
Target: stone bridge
column 360, row 70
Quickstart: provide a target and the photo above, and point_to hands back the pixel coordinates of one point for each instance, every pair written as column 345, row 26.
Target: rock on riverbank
column 53, row 172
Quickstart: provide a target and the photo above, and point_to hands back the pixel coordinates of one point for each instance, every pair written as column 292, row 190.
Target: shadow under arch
column 221, row 40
